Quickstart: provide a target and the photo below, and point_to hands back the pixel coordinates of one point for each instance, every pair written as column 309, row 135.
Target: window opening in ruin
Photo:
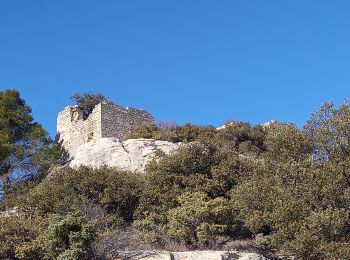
column 90, row 136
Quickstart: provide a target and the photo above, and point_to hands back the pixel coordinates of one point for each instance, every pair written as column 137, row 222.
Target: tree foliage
column 69, row 238
column 25, row 147
column 298, row 198
column 171, row 132
column 286, row 188
column 22, row 236
column 199, row 219
column 211, row 167
column 106, row 199
column 88, row 100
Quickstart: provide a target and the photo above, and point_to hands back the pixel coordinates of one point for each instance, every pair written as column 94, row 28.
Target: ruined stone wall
column 117, row 121
column 73, row 130
column 106, row 120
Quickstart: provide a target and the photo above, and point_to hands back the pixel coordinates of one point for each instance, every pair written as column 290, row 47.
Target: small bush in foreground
column 69, row 238
column 199, row 219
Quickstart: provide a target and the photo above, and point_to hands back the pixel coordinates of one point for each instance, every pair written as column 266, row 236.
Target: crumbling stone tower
column 106, row 120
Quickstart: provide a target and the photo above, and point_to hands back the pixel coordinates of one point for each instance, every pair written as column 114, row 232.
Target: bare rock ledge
column 189, row 255
column 130, row 155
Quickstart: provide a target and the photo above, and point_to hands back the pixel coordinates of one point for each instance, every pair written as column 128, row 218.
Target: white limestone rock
column 207, row 255
column 216, row 255
column 9, row 212
column 251, row 256
column 269, row 123
column 131, row 155
column 190, row 255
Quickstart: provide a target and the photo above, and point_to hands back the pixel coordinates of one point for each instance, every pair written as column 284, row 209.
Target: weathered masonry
column 106, row 120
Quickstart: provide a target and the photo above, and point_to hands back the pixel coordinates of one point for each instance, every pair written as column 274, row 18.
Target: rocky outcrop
column 131, row 155
column 215, row 255
column 190, row 255
column 9, row 212
column 106, row 120
column 251, row 256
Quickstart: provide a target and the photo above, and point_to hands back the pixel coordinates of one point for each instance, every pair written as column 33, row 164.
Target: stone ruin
column 98, row 140
column 106, row 120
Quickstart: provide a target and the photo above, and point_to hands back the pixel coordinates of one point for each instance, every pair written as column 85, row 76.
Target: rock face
column 190, row 255
column 131, row 155
column 210, row 255
column 215, row 255
column 106, row 120
column 252, row 256
column 95, row 140
column 9, row 213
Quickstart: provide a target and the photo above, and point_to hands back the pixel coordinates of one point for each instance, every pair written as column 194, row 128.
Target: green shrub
column 189, row 133
column 199, row 218
column 21, row 236
column 88, row 100
column 287, row 142
column 242, row 137
column 203, row 166
column 69, row 238
column 143, row 131
column 117, row 192
column 288, row 187
column 172, row 133
column 298, row 195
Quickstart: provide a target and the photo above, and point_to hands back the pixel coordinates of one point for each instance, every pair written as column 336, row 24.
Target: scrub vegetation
column 284, row 189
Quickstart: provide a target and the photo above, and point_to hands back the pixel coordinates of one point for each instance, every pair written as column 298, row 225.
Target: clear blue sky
column 187, row 61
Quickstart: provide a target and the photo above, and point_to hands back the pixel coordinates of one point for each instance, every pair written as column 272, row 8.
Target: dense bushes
column 290, row 188
column 201, row 174
column 68, row 237
column 105, row 199
column 22, row 236
column 68, row 190
column 88, row 100
column 287, row 188
column 199, row 218
column 172, row 133
column 298, row 197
